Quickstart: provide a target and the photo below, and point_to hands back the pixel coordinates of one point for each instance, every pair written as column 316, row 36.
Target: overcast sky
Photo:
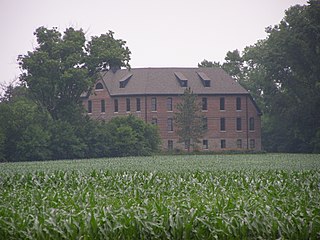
column 162, row 33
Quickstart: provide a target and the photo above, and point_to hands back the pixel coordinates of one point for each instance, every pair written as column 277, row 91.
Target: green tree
column 132, row 137
column 2, row 145
column 63, row 66
column 206, row 63
column 282, row 74
column 65, row 142
column 25, row 130
column 188, row 120
column 105, row 53
column 290, row 87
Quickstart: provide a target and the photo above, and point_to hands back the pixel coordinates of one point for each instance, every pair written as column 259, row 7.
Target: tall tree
column 189, row 120
column 282, row 73
column 63, row 66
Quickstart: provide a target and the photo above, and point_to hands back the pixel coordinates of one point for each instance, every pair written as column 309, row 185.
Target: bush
column 132, row 137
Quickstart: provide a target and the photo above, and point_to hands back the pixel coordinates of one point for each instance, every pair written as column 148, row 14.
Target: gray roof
column 155, row 81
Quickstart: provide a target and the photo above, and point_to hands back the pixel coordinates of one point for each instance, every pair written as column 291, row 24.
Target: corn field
column 163, row 197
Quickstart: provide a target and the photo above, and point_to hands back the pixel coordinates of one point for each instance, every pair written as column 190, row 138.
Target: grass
column 268, row 196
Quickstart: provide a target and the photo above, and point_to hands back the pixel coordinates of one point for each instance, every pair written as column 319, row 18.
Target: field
column 267, row 196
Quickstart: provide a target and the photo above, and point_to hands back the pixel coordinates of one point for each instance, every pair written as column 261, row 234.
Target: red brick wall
column 214, row 135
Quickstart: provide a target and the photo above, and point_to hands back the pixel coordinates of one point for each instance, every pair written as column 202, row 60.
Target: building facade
column 231, row 118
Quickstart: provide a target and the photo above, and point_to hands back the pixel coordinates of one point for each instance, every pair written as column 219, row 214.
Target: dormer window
column 124, row 81
column 183, row 81
column 99, row 86
column 206, row 81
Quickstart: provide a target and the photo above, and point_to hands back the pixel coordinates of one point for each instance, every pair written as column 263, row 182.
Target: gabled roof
column 164, row 81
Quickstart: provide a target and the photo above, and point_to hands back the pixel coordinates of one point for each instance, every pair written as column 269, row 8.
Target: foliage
column 23, row 125
column 28, row 133
column 63, row 66
column 106, row 53
column 188, row 120
column 231, row 197
column 282, row 74
column 131, row 136
column 64, row 142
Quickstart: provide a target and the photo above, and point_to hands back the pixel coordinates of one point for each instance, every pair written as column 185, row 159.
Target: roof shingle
column 164, row 81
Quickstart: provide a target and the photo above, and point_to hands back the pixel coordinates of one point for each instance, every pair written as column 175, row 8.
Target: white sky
column 162, row 33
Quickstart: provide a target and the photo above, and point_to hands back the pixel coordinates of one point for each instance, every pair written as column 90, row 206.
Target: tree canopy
column 63, row 66
column 282, row 74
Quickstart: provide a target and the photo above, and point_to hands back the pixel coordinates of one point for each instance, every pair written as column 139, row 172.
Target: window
column 99, row 86
column 206, row 83
column 187, row 144
column 239, row 125
column 222, row 103
column 238, row 103
column 103, row 106
column 138, row 103
column 170, row 145
column 223, row 143
column 204, row 104
column 170, row 124
column 89, row 106
column 205, row 144
column 116, row 105
column 153, row 104
column 154, row 121
column 184, row 83
column 252, row 144
column 205, row 123
column 251, row 124
column 222, row 124
column 128, row 104
column 122, row 84
column 239, row 143
column 169, row 104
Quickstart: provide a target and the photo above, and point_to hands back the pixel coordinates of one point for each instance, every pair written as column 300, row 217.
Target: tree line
column 282, row 73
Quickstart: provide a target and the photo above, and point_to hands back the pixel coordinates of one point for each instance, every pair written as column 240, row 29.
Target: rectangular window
column 103, row 106
column 223, row 143
column 187, row 144
column 154, row 104
column 251, row 124
column 252, row 144
column 205, row 144
column 222, row 124
column 116, row 105
column 239, row 125
column 138, row 103
column 239, row 143
column 169, row 104
column 170, row 145
column 205, row 123
column 89, row 106
column 222, row 103
column 154, row 121
column 238, row 103
column 204, row 104
column 128, row 104
column 170, row 124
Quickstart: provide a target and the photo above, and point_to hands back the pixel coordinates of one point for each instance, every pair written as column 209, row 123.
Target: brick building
column 231, row 116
